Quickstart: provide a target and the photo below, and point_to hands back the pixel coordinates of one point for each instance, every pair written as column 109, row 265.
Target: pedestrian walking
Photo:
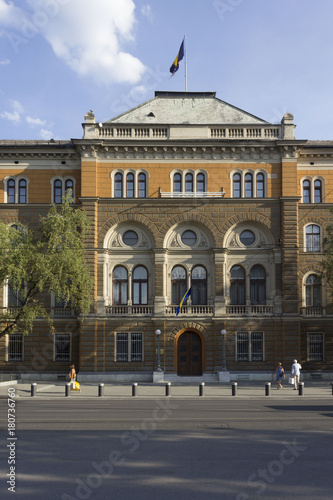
column 279, row 371
column 75, row 386
column 296, row 373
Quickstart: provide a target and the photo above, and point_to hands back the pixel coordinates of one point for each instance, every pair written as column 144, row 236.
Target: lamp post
column 224, row 334
column 158, row 333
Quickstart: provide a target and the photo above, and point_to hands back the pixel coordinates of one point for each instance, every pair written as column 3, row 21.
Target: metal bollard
column 332, row 389
column 267, row 389
column 301, row 388
column 67, row 390
column 33, row 389
column 234, row 389
column 167, row 388
column 134, row 389
column 101, row 390
column 201, row 388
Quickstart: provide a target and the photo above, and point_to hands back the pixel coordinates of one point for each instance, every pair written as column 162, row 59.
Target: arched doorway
column 189, row 354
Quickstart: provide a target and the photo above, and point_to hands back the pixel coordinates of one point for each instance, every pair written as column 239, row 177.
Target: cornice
column 186, row 151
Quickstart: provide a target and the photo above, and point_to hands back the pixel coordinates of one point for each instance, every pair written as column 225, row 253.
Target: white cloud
column 35, row 121
column 4, row 62
column 46, row 134
column 15, row 115
column 88, row 36
column 147, row 12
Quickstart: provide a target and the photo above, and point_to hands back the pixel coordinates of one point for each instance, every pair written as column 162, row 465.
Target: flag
column 186, row 296
column 180, row 56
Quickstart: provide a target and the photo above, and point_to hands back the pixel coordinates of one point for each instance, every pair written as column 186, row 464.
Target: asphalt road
column 168, row 448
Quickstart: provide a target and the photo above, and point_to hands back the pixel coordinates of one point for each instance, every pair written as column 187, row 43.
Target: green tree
column 50, row 259
column 327, row 261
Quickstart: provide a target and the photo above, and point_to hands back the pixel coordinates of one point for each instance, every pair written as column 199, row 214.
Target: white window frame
column 254, row 182
column 129, row 347
column 249, row 353
column 320, row 237
column 63, row 182
column 17, row 181
column 136, row 180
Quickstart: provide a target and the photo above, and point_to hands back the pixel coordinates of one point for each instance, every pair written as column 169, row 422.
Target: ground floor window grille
column 62, row 347
column 15, row 347
column 129, row 347
column 250, row 346
column 316, row 347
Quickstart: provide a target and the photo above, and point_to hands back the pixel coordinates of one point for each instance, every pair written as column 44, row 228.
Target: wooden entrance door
column 189, row 354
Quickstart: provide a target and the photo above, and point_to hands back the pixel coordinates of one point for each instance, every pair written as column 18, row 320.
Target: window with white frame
column 250, row 346
column 15, row 347
column 60, row 187
column 189, row 182
column 313, row 291
column 245, row 184
column 312, row 189
column 16, row 190
column 129, row 183
column 312, row 238
column 62, row 347
column 315, row 347
column 129, row 347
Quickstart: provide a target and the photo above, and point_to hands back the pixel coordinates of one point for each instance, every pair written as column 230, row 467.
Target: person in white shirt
column 295, row 373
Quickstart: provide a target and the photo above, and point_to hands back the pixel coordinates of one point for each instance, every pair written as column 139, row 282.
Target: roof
column 192, row 108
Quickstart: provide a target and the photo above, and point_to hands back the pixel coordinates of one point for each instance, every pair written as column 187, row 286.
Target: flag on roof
column 186, row 296
column 180, row 56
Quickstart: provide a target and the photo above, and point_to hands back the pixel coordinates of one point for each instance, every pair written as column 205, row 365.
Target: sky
column 62, row 58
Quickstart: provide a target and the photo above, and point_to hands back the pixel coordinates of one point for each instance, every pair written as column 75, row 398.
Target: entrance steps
column 174, row 378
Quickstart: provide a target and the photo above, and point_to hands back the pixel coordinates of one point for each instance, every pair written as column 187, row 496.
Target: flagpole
column 185, row 64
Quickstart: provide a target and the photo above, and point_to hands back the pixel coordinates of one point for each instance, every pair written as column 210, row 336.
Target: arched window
column 22, row 194
column 130, row 186
column 11, row 191
column 313, row 238
column 140, row 286
column 258, row 285
column 57, row 191
column 248, row 186
column 199, row 285
column 313, row 291
column 201, row 184
column 177, row 183
column 306, row 191
column 189, row 183
column 119, row 285
column 142, row 186
column 237, row 285
column 318, row 198
column 178, row 284
column 118, row 185
column 260, row 185
column 237, row 189
column 69, row 187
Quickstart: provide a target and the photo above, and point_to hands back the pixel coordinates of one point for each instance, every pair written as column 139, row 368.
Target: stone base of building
column 224, row 376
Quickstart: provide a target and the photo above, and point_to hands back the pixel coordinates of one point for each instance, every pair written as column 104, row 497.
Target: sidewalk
column 244, row 389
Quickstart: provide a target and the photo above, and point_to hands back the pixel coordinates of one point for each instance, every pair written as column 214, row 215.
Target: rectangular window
column 15, row 347
column 62, row 347
column 250, row 346
column 129, row 347
column 316, row 346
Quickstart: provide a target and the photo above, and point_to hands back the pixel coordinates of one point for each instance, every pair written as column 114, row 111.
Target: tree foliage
column 327, row 262
column 50, row 259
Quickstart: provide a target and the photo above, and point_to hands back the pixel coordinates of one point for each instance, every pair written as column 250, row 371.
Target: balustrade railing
column 129, row 310
column 249, row 310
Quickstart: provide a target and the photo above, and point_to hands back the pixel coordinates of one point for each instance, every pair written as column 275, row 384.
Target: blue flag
column 180, row 56
column 186, row 296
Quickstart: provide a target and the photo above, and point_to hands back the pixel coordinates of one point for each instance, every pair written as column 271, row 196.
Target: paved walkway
column 244, row 389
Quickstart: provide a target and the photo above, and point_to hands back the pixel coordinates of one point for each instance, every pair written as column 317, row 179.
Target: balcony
column 192, row 310
column 250, row 310
column 211, row 194
column 124, row 310
column 313, row 311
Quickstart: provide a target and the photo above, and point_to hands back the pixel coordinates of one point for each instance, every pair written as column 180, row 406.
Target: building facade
column 184, row 191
